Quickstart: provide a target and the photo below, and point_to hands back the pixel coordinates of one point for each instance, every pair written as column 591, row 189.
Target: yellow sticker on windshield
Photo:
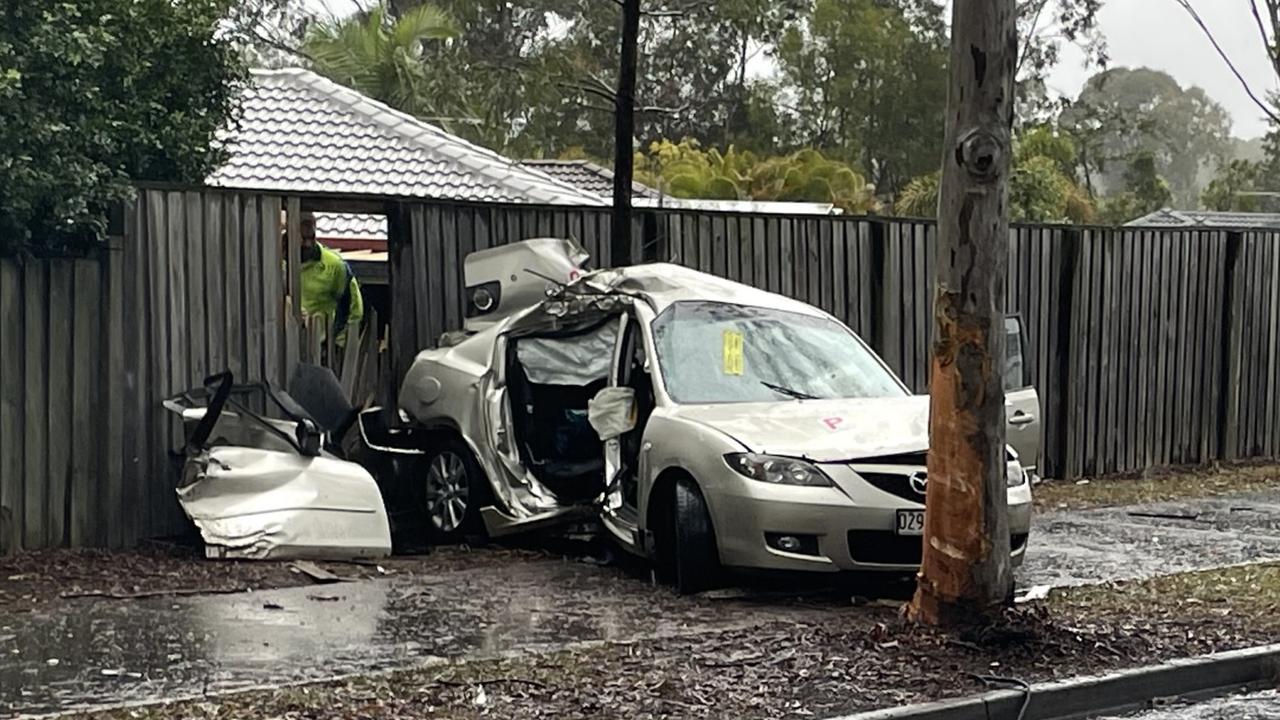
column 733, row 363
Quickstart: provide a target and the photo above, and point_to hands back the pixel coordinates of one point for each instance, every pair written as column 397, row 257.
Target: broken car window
column 720, row 353
column 1015, row 374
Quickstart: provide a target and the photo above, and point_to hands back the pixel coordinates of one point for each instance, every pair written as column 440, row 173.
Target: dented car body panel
column 260, row 487
column 724, row 377
column 251, row 503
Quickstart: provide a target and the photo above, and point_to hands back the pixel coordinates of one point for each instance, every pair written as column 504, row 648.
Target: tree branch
column 281, row 46
column 673, row 13
column 657, row 110
column 1266, row 109
column 1031, row 33
column 608, row 95
column 655, row 13
column 1272, row 55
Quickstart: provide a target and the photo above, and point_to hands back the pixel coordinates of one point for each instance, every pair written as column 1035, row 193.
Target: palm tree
column 381, row 57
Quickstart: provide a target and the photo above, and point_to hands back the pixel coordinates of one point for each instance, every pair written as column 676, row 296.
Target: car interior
column 551, row 378
column 635, row 375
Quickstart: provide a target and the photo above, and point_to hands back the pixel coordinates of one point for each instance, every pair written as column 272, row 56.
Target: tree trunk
column 965, row 575
column 624, row 130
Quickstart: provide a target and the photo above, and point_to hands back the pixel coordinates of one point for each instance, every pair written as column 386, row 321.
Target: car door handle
column 1021, row 418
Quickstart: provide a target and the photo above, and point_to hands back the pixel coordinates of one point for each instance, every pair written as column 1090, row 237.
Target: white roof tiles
column 300, row 132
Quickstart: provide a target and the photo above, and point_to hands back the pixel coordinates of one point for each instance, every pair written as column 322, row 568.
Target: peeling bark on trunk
column 965, row 575
column 624, row 130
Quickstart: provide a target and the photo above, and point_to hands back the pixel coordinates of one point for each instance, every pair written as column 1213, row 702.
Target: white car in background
column 705, row 424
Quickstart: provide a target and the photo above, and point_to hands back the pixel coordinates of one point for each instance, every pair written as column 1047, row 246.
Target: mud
column 1070, row 548
column 99, row 652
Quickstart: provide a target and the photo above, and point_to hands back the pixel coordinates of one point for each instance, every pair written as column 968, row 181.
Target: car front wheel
column 696, row 561
column 453, row 491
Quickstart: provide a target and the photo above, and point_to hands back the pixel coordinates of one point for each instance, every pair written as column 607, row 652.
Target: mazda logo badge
column 919, row 481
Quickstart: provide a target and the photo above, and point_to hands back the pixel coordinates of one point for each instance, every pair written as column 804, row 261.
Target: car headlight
column 777, row 470
column 1015, row 476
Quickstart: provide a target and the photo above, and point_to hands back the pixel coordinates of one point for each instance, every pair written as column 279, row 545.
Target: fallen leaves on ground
column 1157, row 485
column 31, row 580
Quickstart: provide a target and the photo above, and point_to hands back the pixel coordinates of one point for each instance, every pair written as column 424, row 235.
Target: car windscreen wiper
column 788, row 391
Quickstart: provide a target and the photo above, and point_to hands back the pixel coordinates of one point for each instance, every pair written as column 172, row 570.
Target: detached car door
column 1022, row 404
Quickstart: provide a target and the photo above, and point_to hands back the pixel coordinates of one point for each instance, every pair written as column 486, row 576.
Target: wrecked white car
column 261, row 487
column 705, row 423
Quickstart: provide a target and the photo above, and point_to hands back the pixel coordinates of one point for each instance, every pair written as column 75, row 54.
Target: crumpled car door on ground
column 287, row 497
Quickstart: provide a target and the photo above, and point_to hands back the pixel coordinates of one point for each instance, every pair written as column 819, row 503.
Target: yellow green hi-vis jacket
column 330, row 289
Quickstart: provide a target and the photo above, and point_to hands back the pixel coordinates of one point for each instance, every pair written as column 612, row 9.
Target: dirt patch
column 1156, row 486
column 33, row 580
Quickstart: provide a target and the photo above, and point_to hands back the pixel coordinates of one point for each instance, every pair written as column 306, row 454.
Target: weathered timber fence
column 190, row 284
column 1148, row 347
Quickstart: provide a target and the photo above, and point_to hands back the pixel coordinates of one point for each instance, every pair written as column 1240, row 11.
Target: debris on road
column 315, row 572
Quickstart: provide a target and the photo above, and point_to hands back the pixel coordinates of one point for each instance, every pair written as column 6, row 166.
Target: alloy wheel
column 447, row 491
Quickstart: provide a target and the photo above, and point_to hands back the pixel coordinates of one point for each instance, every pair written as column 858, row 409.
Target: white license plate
column 910, row 522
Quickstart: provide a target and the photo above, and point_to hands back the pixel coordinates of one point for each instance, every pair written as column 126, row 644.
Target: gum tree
column 965, row 574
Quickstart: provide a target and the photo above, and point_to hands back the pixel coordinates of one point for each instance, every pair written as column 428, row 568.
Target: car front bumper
column 854, row 525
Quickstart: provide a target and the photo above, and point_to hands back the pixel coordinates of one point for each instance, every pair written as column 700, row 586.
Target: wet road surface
column 97, row 652
column 1255, row 706
column 1138, row 541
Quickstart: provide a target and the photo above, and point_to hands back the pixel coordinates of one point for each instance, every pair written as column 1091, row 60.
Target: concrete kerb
column 1116, row 693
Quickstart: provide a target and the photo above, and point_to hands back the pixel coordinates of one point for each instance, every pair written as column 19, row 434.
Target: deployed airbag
column 612, row 412
column 575, row 360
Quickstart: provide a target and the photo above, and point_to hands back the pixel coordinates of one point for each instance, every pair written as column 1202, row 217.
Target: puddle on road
column 97, row 652
column 107, row 652
column 1092, row 546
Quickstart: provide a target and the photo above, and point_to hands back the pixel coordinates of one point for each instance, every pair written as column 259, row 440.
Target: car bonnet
column 821, row 430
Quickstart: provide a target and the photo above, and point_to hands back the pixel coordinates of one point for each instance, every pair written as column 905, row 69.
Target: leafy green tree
column 1042, row 189
column 869, row 84
column 95, row 94
column 686, row 170
column 383, row 57
column 1044, row 27
column 1123, row 112
column 1144, row 192
column 1224, row 192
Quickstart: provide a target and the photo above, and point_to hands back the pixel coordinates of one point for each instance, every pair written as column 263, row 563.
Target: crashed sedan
column 704, row 423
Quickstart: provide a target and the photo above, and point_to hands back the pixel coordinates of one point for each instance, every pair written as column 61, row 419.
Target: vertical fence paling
column 1125, row 327
column 1148, row 347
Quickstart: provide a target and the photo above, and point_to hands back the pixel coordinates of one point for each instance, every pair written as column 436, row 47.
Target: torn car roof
column 663, row 284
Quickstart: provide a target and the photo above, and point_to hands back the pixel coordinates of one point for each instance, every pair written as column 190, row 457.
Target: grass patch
column 1245, row 597
column 1157, row 486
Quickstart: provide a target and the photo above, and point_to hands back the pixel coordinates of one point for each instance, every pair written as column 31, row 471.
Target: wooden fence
column 90, row 347
column 1148, row 347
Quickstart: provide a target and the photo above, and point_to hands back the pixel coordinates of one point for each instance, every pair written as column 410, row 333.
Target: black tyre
column 695, row 560
column 453, row 489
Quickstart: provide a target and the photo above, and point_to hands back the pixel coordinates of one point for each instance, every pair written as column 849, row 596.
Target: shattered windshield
column 712, row 352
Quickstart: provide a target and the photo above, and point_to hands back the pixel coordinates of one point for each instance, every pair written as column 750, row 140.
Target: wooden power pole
column 965, row 574
column 624, row 120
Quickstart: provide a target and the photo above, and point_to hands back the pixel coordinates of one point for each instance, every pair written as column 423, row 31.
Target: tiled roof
column 587, row 176
column 300, row 132
column 1206, row 218
column 350, row 226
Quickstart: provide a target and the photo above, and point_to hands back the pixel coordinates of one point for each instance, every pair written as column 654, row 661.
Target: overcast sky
column 1159, row 34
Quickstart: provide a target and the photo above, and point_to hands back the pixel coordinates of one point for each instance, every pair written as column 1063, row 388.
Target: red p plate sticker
column 833, row 423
